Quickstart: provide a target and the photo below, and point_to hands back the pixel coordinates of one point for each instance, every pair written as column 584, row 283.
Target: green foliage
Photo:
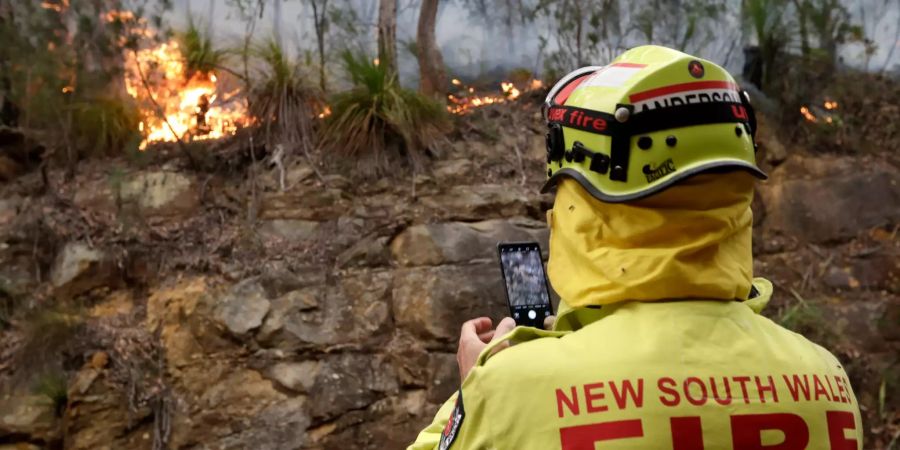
column 688, row 27
column 806, row 318
column 379, row 119
column 282, row 100
column 105, row 126
column 53, row 387
column 48, row 335
column 62, row 68
column 769, row 21
column 199, row 54
column 9, row 297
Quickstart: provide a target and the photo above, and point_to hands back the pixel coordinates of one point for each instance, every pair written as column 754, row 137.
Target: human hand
column 549, row 321
column 476, row 334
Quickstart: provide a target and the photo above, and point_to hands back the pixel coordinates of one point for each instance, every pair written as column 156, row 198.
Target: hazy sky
column 468, row 46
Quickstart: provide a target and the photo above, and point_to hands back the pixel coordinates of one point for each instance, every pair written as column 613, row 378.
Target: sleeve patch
column 452, row 429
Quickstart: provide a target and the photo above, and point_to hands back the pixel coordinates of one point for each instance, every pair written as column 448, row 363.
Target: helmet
column 651, row 118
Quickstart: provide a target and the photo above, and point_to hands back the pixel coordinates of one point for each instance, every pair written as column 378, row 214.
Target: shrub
column 105, row 126
column 198, row 52
column 50, row 337
column 53, row 386
column 378, row 119
column 283, row 102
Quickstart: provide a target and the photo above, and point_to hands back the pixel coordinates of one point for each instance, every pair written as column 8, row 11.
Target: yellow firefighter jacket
column 626, row 368
column 683, row 375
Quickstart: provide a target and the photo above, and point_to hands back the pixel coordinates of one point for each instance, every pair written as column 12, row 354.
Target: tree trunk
column 319, row 17
column 432, row 75
column 387, row 35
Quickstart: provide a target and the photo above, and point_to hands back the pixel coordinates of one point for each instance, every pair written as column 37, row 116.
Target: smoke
column 475, row 46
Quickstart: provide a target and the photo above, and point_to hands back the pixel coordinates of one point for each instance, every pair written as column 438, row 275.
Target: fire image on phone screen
column 526, row 286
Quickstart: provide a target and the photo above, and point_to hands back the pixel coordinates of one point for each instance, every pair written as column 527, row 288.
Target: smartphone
column 527, row 292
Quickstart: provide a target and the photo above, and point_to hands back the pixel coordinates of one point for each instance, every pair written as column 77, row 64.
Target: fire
column 326, row 111
column 175, row 105
column 58, row 7
column 461, row 104
column 808, row 115
column 830, row 105
column 509, row 90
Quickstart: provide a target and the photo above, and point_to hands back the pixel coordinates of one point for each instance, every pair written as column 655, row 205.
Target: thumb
column 504, row 327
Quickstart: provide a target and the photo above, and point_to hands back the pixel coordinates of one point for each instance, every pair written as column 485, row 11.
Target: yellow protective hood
column 691, row 241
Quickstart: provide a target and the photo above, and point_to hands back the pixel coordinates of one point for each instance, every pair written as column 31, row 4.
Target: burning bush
column 378, row 119
column 180, row 102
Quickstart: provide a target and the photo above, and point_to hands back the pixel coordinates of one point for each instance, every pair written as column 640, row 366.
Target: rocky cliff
column 195, row 309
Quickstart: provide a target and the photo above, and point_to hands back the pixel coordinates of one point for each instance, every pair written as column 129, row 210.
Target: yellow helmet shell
column 652, row 117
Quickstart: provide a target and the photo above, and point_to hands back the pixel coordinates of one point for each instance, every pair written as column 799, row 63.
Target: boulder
column 304, row 202
column 79, row 268
column 410, row 359
column 829, row 199
column 367, row 252
column 28, row 415
column 161, row 193
column 243, row 308
column 443, row 377
column 224, row 405
column 455, row 242
column 478, row 202
column 282, row 425
column 453, row 171
column 392, row 422
column 292, row 230
column 9, row 208
column 296, row 376
column 432, row 303
column 9, row 168
column 98, row 417
column 356, row 310
column 349, row 382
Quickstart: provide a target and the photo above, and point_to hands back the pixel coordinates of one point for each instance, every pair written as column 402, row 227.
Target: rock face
column 433, row 303
column 79, row 268
column 27, row 415
column 243, row 308
column 161, row 193
column 824, row 199
column 339, row 330
column 456, row 242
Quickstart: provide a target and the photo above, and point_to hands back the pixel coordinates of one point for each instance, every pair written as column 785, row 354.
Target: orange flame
column 830, row 105
column 192, row 107
column 508, row 93
column 808, row 115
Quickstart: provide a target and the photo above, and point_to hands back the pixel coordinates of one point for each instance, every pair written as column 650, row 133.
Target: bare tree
column 432, row 74
column 320, row 10
column 387, row 35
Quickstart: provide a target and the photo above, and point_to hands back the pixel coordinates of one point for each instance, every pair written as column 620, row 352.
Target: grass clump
column 283, row 102
column 104, row 126
column 54, row 388
column 377, row 119
column 199, row 54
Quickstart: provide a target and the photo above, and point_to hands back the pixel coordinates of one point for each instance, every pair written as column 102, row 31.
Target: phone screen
column 526, row 284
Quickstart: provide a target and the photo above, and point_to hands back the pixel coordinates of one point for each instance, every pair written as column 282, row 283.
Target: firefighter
column 658, row 342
